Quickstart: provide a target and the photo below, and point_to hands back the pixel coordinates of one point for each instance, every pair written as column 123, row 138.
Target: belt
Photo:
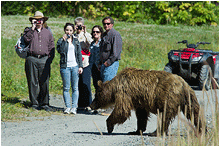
column 37, row 56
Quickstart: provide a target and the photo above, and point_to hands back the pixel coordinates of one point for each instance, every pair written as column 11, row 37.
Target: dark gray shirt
column 111, row 47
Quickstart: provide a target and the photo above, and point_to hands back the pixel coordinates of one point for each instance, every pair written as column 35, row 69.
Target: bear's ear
column 100, row 83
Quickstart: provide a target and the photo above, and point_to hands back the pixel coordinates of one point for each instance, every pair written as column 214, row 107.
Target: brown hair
column 68, row 24
column 108, row 17
column 100, row 29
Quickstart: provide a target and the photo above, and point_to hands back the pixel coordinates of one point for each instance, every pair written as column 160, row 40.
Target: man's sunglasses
column 106, row 24
column 95, row 31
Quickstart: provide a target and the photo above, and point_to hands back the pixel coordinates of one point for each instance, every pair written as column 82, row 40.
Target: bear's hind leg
column 165, row 123
column 197, row 119
column 142, row 118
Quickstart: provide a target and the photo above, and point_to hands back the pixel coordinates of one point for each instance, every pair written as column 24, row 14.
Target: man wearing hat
column 37, row 65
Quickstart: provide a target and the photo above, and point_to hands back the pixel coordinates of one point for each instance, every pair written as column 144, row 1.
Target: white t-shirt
column 71, row 59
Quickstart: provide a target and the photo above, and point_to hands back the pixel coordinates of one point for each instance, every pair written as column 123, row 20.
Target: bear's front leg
column 116, row 117
column 110, row 126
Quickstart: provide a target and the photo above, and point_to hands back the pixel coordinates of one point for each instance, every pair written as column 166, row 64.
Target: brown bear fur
column 145, row 92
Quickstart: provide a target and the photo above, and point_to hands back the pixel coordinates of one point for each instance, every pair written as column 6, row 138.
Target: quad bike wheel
column 168, row 68
column 205, row 77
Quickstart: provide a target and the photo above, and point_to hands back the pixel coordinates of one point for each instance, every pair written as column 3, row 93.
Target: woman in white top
column 70, row 66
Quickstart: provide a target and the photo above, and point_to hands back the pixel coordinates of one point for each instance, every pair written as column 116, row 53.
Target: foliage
column 148, row 12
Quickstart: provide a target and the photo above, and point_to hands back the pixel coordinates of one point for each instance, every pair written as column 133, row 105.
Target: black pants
column 38, row 73
column 85, row 94
column 96, row 76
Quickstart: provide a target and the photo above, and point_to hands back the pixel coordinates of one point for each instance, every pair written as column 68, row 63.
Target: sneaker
column 73, row 111
column 67, row 111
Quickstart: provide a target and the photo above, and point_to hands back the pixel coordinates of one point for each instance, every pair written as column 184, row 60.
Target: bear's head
column 103, row 97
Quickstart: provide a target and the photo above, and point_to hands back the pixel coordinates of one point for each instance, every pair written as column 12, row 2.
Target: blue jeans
column 108, row 73
column 70, row 74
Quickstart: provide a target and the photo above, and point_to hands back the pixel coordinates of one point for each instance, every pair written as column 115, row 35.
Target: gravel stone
column 80, row 130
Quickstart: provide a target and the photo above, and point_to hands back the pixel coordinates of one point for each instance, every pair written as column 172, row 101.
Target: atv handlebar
column 184, row 41
column 203, row 42
column 193, row 45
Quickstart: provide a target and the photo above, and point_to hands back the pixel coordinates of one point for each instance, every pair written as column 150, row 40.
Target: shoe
column 35, row 107
column 95, row 112
column 88, row 109
column 73, row 111
column 67, row 111
column 47, row 108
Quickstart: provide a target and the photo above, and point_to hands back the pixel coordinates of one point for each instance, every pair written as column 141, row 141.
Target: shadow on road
column 113, row 134
column 98, row 133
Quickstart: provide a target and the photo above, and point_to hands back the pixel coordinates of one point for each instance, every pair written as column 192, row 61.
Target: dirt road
column 82, row 129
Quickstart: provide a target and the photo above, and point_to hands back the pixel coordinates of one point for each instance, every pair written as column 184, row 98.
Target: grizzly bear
column 146, row 91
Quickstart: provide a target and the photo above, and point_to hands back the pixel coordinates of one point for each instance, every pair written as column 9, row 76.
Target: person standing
column 70, row 66
column 110, row 50
column 39, row 58
column 97, row 33
column 85, row 39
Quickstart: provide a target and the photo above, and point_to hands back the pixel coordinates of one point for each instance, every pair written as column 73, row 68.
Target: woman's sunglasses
column 95, row 31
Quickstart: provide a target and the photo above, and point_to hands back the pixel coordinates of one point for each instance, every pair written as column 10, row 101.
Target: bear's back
column 149, row 83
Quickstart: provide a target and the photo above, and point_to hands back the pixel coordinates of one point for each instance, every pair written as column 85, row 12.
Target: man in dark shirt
column 37, row 65
column 110, row 53
column 110, row 50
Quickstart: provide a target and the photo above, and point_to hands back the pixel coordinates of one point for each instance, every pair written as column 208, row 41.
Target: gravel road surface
column 83, row 128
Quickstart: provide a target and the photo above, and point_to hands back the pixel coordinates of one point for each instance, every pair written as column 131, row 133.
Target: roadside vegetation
column 187, row 135
column 145, row 12
column 144, row 46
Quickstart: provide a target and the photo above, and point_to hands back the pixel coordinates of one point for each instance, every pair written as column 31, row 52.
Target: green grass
column 144, row 46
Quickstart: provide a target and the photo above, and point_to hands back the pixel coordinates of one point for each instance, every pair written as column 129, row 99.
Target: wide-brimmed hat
column 38, row 15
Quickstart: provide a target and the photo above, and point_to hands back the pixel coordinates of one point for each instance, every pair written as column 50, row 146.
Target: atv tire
column 203, row 75
column 168, row 68
column 216, row 73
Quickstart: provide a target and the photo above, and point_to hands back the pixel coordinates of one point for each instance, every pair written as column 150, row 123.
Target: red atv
column 196, row 66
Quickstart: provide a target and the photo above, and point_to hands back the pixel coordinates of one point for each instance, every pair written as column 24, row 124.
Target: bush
column 149, row 12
